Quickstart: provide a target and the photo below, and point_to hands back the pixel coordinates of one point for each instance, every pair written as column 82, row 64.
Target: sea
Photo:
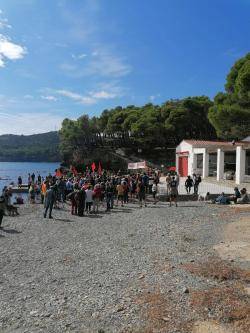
column 10, row 171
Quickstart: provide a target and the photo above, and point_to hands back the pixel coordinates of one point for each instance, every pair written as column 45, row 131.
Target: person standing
column 145, row 181
column 125, row 191
column 97, row 194
column 141, row 191
column 32, row 194
column 197, row 181
column 33, row 178
column 2, row 210
column 39, row 179
column 177, row 178
column 43, row 191
column 80, row 198
column 173, row 192
column 19, row 182
column 189, row 184
column 168, row 180
column 109, row 195
column 49, row 201
column 120, row 194
column 154, row 191
column 72, row 197
column 29, row 180
column 89, row 199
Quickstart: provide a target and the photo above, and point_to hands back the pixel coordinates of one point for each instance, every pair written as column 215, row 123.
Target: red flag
column 99, row 168
column 93, row 166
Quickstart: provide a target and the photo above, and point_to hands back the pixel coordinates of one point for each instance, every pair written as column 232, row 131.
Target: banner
column 136, row 166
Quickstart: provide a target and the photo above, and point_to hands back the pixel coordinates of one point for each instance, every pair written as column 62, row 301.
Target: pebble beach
column 131, row 270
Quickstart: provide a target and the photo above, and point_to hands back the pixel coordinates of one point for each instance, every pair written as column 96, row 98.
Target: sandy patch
column 236, row 243
column 210, row 327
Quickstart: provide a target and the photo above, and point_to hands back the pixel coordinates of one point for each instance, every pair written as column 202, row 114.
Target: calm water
column 10, row 171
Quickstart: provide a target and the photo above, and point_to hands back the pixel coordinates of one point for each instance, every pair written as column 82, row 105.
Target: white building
column 214, row 158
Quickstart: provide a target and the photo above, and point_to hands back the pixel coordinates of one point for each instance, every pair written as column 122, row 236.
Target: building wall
column 181, row 148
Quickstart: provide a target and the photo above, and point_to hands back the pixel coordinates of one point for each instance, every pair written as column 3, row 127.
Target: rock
column 142, row 276
column 186, row 290
column 34, row 313
column 120, row 308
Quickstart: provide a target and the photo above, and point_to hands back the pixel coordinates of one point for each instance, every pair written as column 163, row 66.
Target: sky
column 64, row 58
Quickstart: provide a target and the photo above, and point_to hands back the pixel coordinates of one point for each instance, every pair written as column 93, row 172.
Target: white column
column 220, row 164
column 205, row 171
column 191, row 163
column 240, row 164
column 195, row 163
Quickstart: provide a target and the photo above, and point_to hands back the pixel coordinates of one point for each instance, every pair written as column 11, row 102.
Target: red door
column 183, row 166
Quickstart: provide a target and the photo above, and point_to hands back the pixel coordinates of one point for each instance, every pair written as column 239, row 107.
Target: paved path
column 205, row 186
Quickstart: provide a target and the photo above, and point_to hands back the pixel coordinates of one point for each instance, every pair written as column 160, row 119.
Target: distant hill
column 30, row 148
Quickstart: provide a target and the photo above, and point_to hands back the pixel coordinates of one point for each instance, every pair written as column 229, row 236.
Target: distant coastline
column 30, row 148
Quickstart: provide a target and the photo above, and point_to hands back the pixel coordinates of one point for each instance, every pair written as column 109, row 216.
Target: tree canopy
column 230, row 114
column 145, row 127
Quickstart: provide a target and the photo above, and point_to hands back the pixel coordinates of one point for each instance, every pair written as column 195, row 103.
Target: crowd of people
column 87, row 193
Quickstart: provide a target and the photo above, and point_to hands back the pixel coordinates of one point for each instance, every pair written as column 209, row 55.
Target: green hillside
column 30, row 148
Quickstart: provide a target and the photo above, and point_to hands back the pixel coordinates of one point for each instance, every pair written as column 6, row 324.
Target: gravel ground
column 114, row 272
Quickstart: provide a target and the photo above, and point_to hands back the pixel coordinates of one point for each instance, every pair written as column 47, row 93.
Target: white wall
column 183, row 147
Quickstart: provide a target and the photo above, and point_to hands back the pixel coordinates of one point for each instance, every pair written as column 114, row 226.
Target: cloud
column 102, row 95
column 101, row 64
column 105, row 63
column 26, row 123
column 49, row 98
column 79, row 56
column 4, row 22
column 154, row 97
column 92, row 97
column 28, row 96
column 86, row 100
column 10, row 51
